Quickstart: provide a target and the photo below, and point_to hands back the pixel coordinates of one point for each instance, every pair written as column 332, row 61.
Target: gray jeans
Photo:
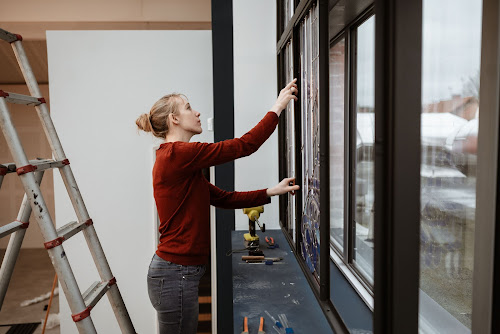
column 173, row 291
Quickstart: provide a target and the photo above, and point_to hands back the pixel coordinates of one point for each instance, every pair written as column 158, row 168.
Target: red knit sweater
column 183, row 196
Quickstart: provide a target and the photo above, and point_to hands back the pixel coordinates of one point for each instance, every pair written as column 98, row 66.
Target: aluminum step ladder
column 31, row 173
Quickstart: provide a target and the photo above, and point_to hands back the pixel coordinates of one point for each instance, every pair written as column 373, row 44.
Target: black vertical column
column 324, row 107
column 486, row 291
column 223, row 76
column 398, row 59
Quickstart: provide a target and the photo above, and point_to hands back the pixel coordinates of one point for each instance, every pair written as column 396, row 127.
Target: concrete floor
column 33, row 276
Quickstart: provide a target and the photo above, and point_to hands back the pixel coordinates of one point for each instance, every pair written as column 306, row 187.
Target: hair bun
column 143, row 123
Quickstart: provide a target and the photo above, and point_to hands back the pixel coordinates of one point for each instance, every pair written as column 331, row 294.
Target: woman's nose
column 198, row 114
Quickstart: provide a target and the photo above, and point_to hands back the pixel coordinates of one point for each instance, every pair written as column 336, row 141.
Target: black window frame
column 350, row 104
column 387, row 317
column 285, row 34
column 398, row 61
column 291, row 32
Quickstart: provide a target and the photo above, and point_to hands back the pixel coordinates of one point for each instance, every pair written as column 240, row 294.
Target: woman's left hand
column 286, row 185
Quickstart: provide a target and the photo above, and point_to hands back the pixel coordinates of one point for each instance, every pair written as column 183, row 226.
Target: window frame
column 291, row 32
column 333, row 42
column 349, row 33
column 397, row 167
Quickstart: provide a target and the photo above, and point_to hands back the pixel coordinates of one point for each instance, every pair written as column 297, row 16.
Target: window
column 352, row 137
column 290, row 141
column 426, row 176
column 309, row 90
column 336, row 134
column 450, row 115
column 362, row 155
column 287, row 12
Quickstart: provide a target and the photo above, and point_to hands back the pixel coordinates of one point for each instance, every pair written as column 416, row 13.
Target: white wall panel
column 254, row 94
column 100, row 82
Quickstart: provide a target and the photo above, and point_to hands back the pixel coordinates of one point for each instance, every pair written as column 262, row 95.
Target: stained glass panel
column 290, row 140
column 309, row 53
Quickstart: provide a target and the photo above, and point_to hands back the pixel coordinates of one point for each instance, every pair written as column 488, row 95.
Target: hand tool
column 261, row 327
column 248, row 257
column 260, row 258
column 245, row 325
column 270, row 242
column 284, row 321
column 279, row 327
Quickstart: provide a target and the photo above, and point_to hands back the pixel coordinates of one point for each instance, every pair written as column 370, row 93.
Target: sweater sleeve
column 193, row 156
column 236, row 199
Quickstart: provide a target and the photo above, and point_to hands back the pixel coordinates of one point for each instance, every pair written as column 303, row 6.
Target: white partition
column 254, row 93
column 100, row 82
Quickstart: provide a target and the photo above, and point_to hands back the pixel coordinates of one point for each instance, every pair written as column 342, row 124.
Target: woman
column 183, row 197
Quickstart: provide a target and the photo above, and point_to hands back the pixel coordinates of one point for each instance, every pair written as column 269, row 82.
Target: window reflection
column 287, row 12
column 450, row 112
column 337, row 67
column 364, row 159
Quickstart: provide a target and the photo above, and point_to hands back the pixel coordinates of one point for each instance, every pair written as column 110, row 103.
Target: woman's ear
column 173, row 119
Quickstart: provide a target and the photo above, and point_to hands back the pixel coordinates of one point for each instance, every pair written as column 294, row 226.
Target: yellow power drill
column 253, row 214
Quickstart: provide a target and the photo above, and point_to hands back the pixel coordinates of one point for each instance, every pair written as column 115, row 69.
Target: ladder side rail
column 91, row 237
column 57, row 255
column 8, row 37
column 52, row 137
column 42, row 110
column 14, row 246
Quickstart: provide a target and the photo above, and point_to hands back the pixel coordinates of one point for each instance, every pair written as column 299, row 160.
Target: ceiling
column 35, row 43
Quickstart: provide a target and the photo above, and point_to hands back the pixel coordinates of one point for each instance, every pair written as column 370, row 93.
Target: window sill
column 359, row 287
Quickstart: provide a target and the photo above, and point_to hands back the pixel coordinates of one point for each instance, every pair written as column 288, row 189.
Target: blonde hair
column 156, row 121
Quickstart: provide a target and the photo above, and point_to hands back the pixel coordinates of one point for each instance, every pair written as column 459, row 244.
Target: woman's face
column 189, row 119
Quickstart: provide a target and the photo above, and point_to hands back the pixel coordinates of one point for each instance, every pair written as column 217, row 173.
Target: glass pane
column 290, row 140
column 364, row 158
column 450, row 97
column 337, row 66
column 288, row 9
column 309, row 56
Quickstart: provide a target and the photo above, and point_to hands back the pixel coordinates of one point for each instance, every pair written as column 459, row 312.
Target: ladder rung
column 9, row 37
column 70, row 229
column 67, row 231
column 21, row 99
column 41, row 164
column 11, row 228
column 94, row 293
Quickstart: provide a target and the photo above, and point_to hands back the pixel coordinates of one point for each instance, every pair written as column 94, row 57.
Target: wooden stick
column 50, row 303
column 250, row 257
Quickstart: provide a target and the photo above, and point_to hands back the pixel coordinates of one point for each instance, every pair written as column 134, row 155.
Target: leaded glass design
column 309, row 55
column 290, row 139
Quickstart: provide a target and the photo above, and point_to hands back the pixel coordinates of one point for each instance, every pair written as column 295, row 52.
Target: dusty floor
column 33, row 276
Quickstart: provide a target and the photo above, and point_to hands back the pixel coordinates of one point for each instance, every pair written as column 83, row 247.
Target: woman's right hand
column 288, row 93
column 287, row 185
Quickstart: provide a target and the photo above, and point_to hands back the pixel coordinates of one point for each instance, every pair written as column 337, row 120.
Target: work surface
column 278, row 288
